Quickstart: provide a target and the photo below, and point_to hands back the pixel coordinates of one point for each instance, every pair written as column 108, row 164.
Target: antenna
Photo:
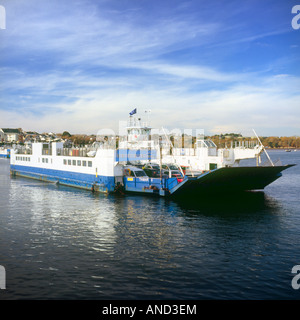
column 147, row 112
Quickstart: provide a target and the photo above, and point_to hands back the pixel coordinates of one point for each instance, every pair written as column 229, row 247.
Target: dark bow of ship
column 230, row 179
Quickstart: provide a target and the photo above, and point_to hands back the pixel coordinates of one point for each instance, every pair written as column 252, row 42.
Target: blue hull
column 73, row 179
column 151, row 186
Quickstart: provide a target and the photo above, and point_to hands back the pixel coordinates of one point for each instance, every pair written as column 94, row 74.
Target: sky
column 83, row 65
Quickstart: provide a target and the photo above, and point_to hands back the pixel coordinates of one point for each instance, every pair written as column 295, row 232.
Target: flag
column 133, row 112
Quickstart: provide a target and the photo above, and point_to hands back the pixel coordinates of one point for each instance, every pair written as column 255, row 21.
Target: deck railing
column 24, row 150
column 47, row 152
column 71, row 152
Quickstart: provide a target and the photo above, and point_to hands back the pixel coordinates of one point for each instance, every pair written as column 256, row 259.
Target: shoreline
column 281, row 149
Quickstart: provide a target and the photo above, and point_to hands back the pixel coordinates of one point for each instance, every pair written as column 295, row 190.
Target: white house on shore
column 9, row 135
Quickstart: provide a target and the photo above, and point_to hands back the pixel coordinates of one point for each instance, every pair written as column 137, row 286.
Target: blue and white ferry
column 4, row 152
column 109, row 168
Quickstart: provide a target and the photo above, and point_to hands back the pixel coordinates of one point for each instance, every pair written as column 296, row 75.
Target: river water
column 64, row 243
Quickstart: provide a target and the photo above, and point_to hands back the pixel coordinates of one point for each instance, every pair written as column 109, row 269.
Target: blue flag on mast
column 133, row 112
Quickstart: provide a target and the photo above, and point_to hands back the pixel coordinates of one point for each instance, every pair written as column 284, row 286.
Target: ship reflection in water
column 239, row 203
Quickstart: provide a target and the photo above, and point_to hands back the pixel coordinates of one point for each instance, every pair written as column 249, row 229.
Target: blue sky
column 83, row 65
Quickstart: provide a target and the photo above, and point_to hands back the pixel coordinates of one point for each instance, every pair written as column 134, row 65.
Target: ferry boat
column 109, row 168
column 4, row 152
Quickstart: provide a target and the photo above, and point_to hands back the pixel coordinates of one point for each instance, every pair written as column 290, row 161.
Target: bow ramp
column 229, row 179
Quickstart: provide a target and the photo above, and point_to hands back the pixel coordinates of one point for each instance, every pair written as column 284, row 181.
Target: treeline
column 222, row 140
column 269, row 142
column 281, row 142
column 78, row 139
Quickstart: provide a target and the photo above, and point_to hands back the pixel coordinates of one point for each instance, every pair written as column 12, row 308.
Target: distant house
column 10, row 135
column 31, row 136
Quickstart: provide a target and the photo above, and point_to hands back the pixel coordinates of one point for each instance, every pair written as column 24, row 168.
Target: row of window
column 69, row 162
column 79, row 163
column 44, row 160
column 22, row 158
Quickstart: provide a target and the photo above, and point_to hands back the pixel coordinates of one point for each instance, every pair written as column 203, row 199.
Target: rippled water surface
column 63, row 243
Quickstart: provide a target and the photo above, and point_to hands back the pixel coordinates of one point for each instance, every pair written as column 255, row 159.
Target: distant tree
column 66, row 134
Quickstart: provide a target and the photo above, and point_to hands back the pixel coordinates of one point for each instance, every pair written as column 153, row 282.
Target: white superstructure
column 206, row 156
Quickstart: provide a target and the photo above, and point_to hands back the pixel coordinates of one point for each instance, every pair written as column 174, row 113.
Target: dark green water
column 63, row 243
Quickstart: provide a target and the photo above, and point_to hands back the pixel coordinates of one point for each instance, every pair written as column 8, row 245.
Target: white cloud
column 236, row 109
column 81, row 67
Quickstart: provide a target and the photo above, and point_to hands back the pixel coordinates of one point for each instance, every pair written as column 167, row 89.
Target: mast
column 263, row 148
